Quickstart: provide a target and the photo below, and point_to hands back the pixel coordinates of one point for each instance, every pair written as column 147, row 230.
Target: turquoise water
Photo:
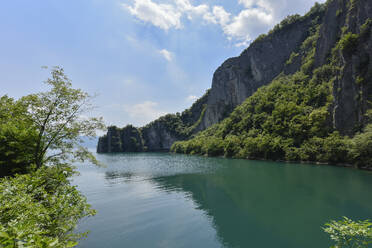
column 167, row 200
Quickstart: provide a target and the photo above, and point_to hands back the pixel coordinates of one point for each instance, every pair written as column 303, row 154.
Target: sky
column 142, row 58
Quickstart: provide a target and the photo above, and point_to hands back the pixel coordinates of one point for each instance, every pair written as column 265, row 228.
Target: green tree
column 348, row 233
column 58, row 116
column 39, row 135
column 41, row 209
column 17, row 137
column 361, row 148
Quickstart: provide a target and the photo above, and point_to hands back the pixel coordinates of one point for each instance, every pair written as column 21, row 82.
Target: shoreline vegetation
column 318, row 109
column 341, row 165
column 40, row 139
column 291, row 118
column 348, row 233
column 39, row 206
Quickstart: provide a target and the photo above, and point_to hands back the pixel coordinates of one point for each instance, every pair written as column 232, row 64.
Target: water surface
column 167, row 200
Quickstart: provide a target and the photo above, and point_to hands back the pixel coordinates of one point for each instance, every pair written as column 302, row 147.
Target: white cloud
column 185, row 7
column 143, row 113
column 149, row 48
column 166, row 54
column 247, row 25
column 257, row 17
column 164, row 16
column 191, row 98
column 280, row 8
column 251, row 3
column 266, row 13
column 129, row 82
column 221, row 15
column 218, row 16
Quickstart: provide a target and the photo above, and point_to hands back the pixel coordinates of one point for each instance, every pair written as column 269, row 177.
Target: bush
column 41, row 209
column 214, row 147
column 231, row 146
column 17, row 147
column 17, row 138
column 273, row 123
column 348, row 43
column 290, row 118
column 348, row 233
column 365, row 29
column 335, row 149
column 361, row 148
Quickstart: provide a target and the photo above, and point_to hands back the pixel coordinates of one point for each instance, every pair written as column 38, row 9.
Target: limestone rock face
column 265, row 59
column 238, row 78
column 158, row 138
column 127, row 139
column 352, row 89
column 353, row 86
column 158, row 135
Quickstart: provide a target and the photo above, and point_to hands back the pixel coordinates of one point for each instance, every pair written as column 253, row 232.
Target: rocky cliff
column 158, row 135
column 346, row 36
column 238, row 78
column 128, row 139
column 343, row 30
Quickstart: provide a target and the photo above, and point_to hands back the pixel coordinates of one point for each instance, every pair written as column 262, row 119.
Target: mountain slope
column 308, row 78
column 238, row 78
column 158, row 135
column 303, row 115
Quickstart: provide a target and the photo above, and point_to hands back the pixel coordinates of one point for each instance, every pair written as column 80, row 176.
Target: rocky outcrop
column 127, row 139
column 350, row 22
column 158, row 135
column 344, row 28
column 158, row 138
column 238, row 78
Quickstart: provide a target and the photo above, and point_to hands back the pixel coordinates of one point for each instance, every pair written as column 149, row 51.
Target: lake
column 171, row 200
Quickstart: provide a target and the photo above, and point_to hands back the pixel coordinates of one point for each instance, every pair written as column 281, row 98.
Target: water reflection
column 115, row 177
column 162, row 200
column 269, row 205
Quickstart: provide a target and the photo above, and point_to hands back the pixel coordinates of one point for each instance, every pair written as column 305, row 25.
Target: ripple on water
column 168, row 200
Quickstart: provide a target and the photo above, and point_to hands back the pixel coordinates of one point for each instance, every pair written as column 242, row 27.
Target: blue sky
column 143, row 58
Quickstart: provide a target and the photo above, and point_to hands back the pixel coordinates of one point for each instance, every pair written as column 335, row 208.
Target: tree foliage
column 350, row 234
column 286, row 120
column 289, row 119
column 39, row 135
column 41, row 209
column 58, row 116
column 361, row 148
column 17, row 137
